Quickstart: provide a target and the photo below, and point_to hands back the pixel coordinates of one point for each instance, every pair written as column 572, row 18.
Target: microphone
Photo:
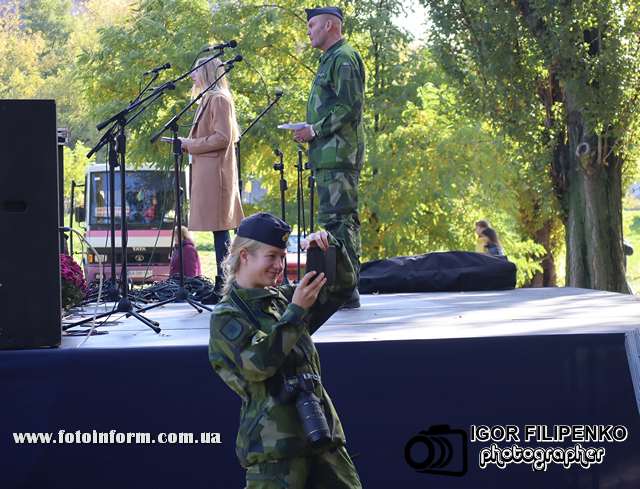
column 279, row 92
column 233, row 60
column 165, row 66
column 228, row 44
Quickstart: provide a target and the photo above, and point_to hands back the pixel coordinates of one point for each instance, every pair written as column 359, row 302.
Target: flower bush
column 73, row 283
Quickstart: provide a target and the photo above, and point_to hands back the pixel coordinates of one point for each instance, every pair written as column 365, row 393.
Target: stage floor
column 540, row 311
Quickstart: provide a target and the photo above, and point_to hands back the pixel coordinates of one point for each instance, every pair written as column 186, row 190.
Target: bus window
column 149, row 197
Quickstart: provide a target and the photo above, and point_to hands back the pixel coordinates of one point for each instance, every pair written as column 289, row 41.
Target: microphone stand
column 115, row 139
column 300, row 203
column 124, row 304
column 283, row 187
column 283, row 183
column 253, row 123
column 119, row 122
column 311, row 182
column 139, row 101
column 181, row 295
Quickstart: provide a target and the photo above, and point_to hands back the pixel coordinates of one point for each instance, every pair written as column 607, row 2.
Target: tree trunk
column 548, row 277
column 540, row 230
column 593, row 203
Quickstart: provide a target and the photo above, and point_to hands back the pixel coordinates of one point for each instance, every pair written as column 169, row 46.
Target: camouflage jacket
column 335, row 108
column 254, row 361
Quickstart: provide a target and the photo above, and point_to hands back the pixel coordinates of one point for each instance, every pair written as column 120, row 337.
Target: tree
column 422, row 186
column 19, row 56
column 52, row 19
column 271, row 38
column 430, row 171
column 443, row 171
column 565, row 76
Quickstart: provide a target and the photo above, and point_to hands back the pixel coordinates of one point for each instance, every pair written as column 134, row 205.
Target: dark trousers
column 222, row 241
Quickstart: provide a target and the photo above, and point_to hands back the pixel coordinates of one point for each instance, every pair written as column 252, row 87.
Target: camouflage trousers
column 328, row 470
column 338, row 209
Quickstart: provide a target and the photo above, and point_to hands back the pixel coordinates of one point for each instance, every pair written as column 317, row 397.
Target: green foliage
column 156, row 31
column 515, row 62
column 439, row 172
column 75, row 163
column 19, row 56
column 433, row 167
column 52, row 18
column 631, row 221
column 533, row 68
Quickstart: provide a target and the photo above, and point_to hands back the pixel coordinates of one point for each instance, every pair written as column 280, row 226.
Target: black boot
column 217, row 288
column 216, row 294
column 353, row 302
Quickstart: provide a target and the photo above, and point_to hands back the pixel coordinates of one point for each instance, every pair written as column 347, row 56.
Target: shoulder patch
column 346, row 71
column 232, row 330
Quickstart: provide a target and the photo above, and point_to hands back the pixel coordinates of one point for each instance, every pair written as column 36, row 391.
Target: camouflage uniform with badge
column 261, row 347
column 336, row 153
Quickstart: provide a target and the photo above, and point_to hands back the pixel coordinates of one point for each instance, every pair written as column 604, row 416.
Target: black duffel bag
column 451, row 271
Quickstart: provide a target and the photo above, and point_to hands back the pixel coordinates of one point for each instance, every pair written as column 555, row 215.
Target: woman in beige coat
column 215, row 197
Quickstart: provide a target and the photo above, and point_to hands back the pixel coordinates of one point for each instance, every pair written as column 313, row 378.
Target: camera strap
column 237, row 300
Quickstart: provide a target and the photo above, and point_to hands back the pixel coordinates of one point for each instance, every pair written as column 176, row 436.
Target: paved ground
column 409, row 316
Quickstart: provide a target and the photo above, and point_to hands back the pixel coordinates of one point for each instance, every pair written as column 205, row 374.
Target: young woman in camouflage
column 261, row 347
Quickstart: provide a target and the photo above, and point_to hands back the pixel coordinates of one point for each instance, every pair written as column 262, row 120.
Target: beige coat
column 215, row 197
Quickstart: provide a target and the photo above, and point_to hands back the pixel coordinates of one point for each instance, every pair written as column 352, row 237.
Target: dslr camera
column 299, row 389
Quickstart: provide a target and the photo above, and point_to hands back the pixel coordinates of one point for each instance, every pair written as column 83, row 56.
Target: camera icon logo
column 439, row 450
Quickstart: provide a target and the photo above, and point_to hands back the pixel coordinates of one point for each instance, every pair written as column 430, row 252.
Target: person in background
column 492, row 246
column 150, row 212
column 335, row 131
column 190, row 258
column 481, row 242
column 215, row 193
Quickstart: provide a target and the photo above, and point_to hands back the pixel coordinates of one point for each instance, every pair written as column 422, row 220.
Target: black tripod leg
column 152, row 324
column 156, row 304
column 89, row 319
column 197, row 305
column 180, row 296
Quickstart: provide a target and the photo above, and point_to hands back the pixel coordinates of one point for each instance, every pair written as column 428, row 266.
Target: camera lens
column 313, row 419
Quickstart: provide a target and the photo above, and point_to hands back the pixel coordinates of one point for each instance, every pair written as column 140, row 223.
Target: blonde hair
column 231, row 263
column 207, row 74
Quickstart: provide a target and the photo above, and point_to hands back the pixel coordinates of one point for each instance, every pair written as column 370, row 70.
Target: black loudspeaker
column 29, row 261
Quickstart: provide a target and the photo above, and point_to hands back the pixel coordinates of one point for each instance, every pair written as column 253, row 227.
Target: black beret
column 266, row 228
column 312, row 12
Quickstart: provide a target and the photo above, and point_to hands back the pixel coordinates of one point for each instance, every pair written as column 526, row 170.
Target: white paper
column 293, row 126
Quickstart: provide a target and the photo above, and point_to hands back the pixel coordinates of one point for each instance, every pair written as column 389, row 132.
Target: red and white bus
column 150, row 202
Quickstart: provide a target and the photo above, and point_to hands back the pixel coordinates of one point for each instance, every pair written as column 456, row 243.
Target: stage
column 398, row 366
column 394, row 317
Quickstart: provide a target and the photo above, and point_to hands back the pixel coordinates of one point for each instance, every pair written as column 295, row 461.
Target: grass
column 631, row 223
column 206, row 252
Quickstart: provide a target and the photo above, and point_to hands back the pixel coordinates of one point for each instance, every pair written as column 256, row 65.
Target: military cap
column 312, row 12
column 266, row 228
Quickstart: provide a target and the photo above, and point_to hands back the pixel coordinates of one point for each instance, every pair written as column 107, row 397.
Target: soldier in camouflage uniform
column 261, row 340
column 335, row 130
